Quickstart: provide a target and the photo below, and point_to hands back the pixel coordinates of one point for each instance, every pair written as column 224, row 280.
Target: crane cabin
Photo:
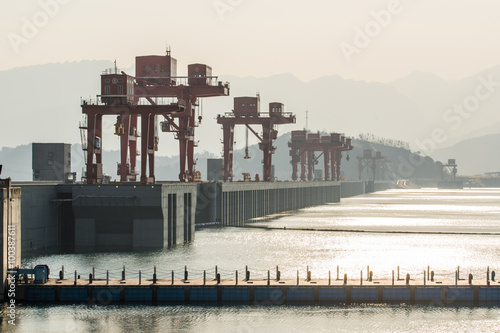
column 117, row 88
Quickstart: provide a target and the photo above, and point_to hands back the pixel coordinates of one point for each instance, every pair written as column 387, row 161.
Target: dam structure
column 138, row 211
column 58, row 217
column 168, row 213
column 80, row 218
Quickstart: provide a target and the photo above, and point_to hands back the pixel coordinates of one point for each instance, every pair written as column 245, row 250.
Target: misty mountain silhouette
column 42, row 104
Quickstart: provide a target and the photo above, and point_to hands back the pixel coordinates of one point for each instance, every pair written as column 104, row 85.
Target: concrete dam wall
column 232, row 204
column 128, row 217
column 351, row 189
column 81, row 218
column 42, row 216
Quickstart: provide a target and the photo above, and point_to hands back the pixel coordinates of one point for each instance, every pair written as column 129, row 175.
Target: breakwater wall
column 232, row 204
column 382, row 186
column 351, row 189
column 354, row 188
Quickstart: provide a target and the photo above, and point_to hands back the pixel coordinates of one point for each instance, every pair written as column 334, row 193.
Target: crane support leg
column 228, row 131
column 326, row 159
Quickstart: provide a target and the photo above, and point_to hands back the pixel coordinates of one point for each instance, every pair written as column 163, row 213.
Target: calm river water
column 442, row 229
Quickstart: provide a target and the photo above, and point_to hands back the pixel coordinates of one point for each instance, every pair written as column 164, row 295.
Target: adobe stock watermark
column 364, row 36
column 222, row 7
column 454, row 117
column 32, row 25
column 11, row 280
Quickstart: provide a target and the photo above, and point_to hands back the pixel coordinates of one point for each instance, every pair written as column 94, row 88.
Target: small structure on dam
column 51, row 162
column 215, row 168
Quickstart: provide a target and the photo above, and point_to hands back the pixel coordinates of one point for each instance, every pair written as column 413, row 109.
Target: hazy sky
column 310, row 39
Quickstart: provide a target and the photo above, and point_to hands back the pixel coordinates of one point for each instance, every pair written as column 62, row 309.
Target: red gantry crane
column 247, row 112
column 303, row 145
column 369, row 161
column 156, row 90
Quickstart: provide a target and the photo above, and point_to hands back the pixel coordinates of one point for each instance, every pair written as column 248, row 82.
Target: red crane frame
column 179, row 115
column 302, row 148
column 268, row 121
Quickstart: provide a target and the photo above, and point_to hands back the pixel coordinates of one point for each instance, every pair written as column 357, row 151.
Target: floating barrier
column 154, row 289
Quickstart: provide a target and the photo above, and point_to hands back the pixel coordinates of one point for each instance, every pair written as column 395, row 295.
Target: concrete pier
column 10, row 236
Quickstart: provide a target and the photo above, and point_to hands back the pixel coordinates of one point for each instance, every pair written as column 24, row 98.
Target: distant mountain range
column 17, row 162
column 474, row 156
column 42, row 104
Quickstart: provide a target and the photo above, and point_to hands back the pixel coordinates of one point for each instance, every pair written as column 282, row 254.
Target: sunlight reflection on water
column 231, row 249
